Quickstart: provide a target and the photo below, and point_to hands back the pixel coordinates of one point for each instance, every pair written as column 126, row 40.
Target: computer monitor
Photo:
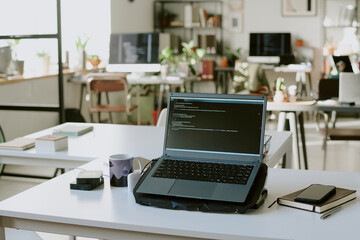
column 134, row 52
column 269, row 46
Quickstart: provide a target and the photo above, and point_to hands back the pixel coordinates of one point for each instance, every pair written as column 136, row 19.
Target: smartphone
column 315, row 193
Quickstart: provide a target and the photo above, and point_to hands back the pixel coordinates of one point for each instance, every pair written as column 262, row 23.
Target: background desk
column 108, row 139
column 338, row 108
column 111, row 213
column 294, row 112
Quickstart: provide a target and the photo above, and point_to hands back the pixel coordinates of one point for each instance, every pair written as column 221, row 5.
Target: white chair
column 162, row 118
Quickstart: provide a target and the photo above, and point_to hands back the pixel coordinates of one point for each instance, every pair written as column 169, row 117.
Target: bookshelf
column 198, row 20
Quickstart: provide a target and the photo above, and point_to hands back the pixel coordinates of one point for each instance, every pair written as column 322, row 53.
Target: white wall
column 131, row 17
column 259, row 16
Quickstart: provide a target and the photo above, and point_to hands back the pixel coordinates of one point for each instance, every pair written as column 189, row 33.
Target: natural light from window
column 89, row 18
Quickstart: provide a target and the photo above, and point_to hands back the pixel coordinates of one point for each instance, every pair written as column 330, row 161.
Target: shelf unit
column 214, row 7
column 336, row 18
column 45, row 108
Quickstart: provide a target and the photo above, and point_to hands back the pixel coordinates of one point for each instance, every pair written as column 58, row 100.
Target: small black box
column 85, row 186
column 89, row 177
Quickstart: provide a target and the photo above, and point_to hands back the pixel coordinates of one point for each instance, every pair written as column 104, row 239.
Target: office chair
column 329, row 88
column 161, row 121
column 335, row 134
column 98, row 83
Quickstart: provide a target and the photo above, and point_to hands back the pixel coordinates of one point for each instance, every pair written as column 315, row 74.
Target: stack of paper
column 51, row 143
column 18, row 144
column 73, row 130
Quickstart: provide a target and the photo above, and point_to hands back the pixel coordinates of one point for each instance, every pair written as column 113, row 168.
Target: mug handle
column 140, row 165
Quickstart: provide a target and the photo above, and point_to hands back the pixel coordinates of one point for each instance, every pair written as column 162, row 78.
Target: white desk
column 108, row 139
column 294, row 112
column 111, row 213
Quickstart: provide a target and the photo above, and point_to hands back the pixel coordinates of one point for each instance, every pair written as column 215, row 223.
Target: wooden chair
column 329, row 88
column 98, row 83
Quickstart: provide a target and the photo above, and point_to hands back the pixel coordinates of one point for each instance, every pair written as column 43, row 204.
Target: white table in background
column 294, row 112
column 111, row 213
column 107, row 139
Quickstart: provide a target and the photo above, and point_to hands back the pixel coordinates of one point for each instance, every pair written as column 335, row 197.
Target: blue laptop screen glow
column 228, row 126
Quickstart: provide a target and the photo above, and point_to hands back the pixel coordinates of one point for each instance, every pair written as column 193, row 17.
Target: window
column 79, row 17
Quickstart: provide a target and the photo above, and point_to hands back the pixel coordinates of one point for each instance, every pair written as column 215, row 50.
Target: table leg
column 301, row 82
column 223, row 78
column 226, row 84
column 293, row 129
column 229, row 81
column 287, row 158
column 2, row 233
column 217, row 82
column 83, row 85
column 302, row 134
column 281, row 121
column 138, row 111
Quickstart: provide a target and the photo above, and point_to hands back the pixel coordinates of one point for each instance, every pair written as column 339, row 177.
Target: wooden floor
column 342, row 156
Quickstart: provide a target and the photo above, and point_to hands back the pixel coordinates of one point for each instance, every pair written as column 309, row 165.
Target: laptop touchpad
column 192, row 188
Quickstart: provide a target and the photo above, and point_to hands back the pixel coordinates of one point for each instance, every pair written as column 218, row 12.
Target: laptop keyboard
column 204, row 171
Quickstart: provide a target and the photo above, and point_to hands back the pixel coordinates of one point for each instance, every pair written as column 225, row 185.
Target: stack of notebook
column 18, row 144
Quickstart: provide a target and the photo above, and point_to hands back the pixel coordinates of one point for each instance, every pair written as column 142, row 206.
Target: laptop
column 349, row 88
column 208, row 134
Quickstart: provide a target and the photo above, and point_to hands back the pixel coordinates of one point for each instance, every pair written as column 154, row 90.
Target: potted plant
column 166, row 59
column 191, row 55
column 299, row 42
column 280, row 88
column 94, row 60
column 232, row 55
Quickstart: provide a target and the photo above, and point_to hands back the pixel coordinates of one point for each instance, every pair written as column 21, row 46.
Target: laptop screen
column 215, row 125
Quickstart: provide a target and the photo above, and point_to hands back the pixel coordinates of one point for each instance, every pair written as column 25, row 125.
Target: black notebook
column 341, row 196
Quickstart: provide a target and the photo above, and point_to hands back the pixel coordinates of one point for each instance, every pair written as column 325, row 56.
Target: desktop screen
column 134, row 52
column 270, row 44
column 134, row 48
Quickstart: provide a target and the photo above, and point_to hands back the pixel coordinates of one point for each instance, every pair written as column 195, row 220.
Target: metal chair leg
column 108, row 102
column 326, row 120
column 325, row 150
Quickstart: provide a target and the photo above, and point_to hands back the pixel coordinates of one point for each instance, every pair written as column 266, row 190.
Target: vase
column 46, row 64
column 279, row 96
column 164, row 70
column 81, row 59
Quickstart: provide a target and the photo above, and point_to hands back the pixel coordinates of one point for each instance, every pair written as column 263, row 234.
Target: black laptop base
column 254, row 200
